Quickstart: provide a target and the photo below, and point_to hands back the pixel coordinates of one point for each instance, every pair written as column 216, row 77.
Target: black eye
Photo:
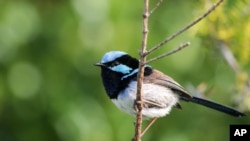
column 115, row 63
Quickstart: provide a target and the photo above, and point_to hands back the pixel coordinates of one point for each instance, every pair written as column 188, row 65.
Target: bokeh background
column 50, row 90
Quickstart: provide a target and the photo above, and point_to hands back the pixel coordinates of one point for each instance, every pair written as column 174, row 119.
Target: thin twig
column 180, row 47
column 140, row 75
column 228, row 56
column 149, row 125
column 156, row 6
column 185, row 28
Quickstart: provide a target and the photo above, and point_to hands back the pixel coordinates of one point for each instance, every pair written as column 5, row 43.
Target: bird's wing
column 158, row 78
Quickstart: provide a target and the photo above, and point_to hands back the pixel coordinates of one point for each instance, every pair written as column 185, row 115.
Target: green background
column 51, row 91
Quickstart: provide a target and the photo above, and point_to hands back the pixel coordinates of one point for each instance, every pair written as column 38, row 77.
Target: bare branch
column 156, row 6
column 144, row 53
column 228, row 55
column 140, row 75
column 185, row 28
column 180, row 47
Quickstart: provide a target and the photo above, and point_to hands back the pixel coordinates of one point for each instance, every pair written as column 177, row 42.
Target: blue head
column 113, row 61
column 119, row 62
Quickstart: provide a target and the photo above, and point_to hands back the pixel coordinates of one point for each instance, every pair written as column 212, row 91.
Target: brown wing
column 159, row 78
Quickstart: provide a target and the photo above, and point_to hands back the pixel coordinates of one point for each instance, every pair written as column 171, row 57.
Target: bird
column 160, row 92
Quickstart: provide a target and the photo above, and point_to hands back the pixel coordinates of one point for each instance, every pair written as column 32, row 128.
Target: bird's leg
column 148, row 104
column 148, row 126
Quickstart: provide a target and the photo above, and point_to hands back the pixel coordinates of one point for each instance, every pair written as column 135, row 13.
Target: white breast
column 155, row 93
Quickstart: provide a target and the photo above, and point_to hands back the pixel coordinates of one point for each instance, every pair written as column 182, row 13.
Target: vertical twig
column 140, row 74
column 144, row 53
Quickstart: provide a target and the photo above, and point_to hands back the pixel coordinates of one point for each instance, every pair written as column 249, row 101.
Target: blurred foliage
column 50, row 90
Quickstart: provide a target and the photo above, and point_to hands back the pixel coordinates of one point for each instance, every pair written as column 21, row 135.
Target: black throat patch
column 115, row 82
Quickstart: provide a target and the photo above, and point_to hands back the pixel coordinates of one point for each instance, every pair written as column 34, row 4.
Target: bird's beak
column 99, row 64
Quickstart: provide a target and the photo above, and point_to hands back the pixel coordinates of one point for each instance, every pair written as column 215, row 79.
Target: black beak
column 99, row 64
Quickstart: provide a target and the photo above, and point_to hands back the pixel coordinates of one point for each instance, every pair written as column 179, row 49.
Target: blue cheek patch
column 121, row 68
column 132, row 73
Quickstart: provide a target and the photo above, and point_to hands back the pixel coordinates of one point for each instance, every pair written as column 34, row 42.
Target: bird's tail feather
column 217, row 106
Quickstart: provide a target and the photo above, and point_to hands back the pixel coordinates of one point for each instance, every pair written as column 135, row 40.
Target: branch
column 143, row 53
column 156, row 6
column 228, row 56
column 140, row 75
column 180, row 47
column 185, row 28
